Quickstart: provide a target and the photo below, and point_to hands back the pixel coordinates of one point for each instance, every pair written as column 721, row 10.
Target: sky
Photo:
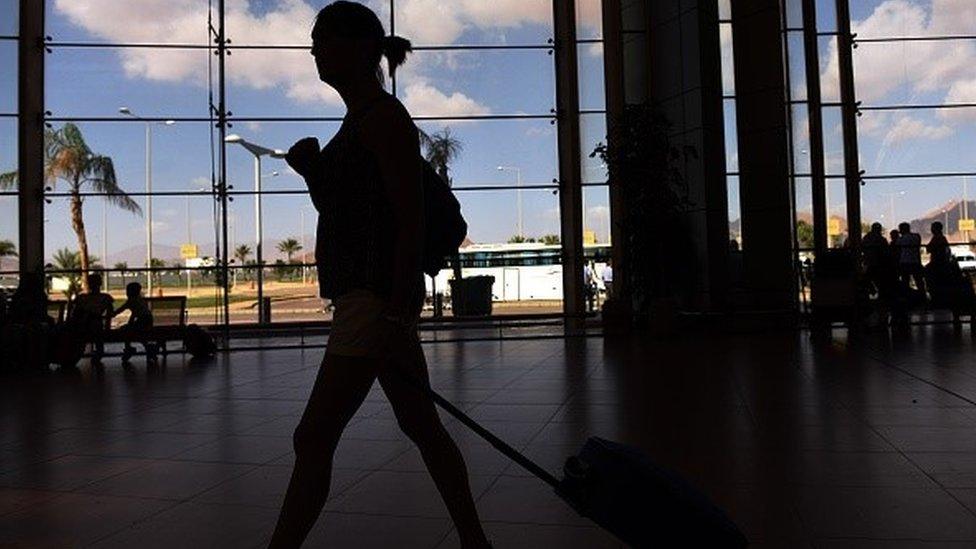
column 905, row 73
column 263, row 83
column 95, row 82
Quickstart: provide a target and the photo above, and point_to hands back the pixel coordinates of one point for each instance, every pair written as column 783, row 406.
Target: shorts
column 358, row 327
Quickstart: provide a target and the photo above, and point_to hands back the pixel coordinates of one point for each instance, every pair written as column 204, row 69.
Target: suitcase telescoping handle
column 499, row 444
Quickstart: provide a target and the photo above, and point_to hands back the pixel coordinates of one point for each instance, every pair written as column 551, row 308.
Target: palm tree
column 67, row 157
column 69, row 262
column 240, row 254
column 441, row 149
column 7, row 249
column 289, row 247
column 157, row 275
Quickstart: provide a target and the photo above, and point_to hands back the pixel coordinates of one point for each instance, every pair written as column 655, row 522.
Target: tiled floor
column 862, row 443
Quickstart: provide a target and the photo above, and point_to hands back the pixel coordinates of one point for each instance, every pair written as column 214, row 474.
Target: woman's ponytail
column 395, row 49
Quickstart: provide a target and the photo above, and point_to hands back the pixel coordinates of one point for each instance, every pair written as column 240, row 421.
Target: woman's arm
column 389, row 133
column 303, row 157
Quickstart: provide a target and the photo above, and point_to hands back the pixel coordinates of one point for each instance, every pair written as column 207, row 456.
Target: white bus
column 523, row 272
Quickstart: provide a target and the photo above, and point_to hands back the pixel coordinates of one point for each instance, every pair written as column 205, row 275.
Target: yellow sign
column 967, row 224
column 833, row 227
column 589, row 237
column 189, row 251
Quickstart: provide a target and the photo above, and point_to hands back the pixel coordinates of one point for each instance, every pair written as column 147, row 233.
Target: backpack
column 444, row 226
column 198, row 342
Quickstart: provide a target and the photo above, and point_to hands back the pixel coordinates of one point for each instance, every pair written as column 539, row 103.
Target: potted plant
column 646, row 168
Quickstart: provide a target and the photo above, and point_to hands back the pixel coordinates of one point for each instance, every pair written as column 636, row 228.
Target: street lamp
column 891, row 205
column 518, row 192
column 149, row 124
column 257, row 151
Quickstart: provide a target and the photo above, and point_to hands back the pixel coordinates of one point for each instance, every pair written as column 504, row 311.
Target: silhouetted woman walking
column 366, row 185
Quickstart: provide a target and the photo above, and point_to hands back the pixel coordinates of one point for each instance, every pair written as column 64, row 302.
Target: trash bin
column 471, row 296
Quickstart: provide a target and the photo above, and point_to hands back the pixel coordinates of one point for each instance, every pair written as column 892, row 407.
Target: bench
column 169, row 323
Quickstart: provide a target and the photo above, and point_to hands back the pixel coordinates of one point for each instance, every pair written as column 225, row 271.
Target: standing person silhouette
column 367, row 187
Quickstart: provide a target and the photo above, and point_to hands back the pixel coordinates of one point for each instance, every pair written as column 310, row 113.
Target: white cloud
column 962, row 91
column 422, row 99
column 906, row 128
column 918, row 67
column 287, row 22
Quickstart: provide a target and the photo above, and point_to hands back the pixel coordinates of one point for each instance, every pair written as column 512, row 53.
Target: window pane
column 596, row 215
column 833, row 131
column 435, row 83
column 9, row 20
column 98, row 81
column 526, row 149
column 827, row 15
column 493, row 216
column 123, row 22
column 9, row 229
column 908, row 72
column 829, row 70
column 724, row 9
column 794, row 13
column 9, row 241
column 797, row 66
column 735, row 211
column 836, row 212
column 8, row 144
column 918, row 141
column 276, row 175
column 803, row 201
column 278, row 82
column 8, row 84
column 913, row 19
column 593, row 131
column 801, row 139
column 288, row 236
column 590, row 74
column 428, row 22
column 921, row 202
column 528, row 276
column 728, row 59
column 731, row 136
column 589, row 19
column 180, row 154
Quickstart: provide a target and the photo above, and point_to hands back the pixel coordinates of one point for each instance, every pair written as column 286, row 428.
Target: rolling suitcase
column 619, row 488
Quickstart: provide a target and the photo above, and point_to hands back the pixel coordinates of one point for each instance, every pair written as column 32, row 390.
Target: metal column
column 568, row 140
column 815, row 117
column 613, row 82
column 849, row 110
column 30, row 134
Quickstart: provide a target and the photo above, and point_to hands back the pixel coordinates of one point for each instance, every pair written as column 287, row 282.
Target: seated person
column 140, row 321
column 90, row 314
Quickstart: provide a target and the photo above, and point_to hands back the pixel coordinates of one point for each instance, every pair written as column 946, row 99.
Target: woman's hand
column 302, row 156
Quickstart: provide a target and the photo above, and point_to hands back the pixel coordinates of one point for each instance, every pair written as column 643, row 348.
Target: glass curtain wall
column 913, row 69
column 9, row 230
column 145, row 102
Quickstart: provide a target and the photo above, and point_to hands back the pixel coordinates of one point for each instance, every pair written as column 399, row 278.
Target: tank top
column 354, row 236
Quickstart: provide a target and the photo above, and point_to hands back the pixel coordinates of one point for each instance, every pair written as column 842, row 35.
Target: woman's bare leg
column 340, row 388
column 418, row 419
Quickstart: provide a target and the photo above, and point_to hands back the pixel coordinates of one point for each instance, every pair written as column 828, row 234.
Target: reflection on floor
column 866, row 444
